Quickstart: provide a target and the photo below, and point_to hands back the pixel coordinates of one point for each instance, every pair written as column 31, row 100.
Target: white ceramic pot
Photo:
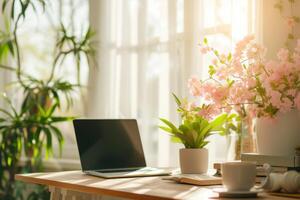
column 193, row 161
column 280, row 136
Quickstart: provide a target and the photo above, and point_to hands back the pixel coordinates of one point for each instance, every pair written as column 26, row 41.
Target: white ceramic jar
column 280, row 136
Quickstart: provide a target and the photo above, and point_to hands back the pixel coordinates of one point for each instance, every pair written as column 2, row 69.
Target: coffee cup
column 238, row 176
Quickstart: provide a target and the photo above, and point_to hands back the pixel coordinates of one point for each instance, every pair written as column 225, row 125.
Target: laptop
column 112, row 148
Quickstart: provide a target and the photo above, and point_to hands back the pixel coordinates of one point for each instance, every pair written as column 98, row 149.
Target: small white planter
column 193, row 161
column 279, row 137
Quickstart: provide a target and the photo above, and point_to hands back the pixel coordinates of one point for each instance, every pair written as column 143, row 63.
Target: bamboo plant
column 31, row 129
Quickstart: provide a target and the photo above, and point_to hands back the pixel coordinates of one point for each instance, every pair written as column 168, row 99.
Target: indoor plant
column 30, row 128
column 193, row 133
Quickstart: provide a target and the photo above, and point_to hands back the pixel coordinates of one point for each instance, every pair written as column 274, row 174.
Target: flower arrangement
column 247, row 83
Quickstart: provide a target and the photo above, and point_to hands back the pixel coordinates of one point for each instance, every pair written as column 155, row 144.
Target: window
column 148, row 49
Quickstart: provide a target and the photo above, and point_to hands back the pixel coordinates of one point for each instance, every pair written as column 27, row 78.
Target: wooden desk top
column 143, row 188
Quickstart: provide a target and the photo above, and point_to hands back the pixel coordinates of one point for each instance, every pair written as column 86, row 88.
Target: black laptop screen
column 109, row 144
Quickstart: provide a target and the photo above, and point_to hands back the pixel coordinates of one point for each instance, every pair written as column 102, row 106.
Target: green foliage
column 32, row 128
column 194, row 129
column 211, row 70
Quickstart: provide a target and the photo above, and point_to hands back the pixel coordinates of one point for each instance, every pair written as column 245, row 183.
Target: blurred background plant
column 28, row 128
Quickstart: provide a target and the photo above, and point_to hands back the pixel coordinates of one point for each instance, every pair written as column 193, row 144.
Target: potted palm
column 28, row 130
column 193, row 133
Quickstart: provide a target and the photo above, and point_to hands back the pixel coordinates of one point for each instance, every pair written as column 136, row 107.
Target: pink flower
column 194, row 86
column 286, row 105
column 275, row 97
column 248, row 78
column 296, row 58
column 242, row 44
column 205, row 49
column 236, row 68
column 297, row 48
column 291, row 92
column 275, row 77
column 222, row 72
column 218, row 94
column 290, row 22
column 223, row 57
column 214, row 61
column 283, row 55
column 209, row 112
column 207, row 89
column 189, row 106
column 254, row 69
column 250, row 82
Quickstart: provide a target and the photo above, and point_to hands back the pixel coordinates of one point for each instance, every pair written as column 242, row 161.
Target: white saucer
column 236, row 194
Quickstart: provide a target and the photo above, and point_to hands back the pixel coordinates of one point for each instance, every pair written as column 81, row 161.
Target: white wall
column 274, row 28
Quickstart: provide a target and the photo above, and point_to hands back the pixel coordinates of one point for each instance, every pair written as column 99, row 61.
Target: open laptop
column 112, row 148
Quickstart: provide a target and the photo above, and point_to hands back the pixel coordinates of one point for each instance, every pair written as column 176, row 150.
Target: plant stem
column 61, row 53
column 54, row 67
column 18, row 52
column 7, row 67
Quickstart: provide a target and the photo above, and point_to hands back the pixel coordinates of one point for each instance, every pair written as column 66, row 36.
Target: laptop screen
column 109, row 144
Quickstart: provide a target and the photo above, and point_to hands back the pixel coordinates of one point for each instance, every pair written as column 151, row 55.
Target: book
column 260, row 170
column 195, row 179
column 280, row 161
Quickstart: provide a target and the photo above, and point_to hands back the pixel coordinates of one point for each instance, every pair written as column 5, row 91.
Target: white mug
column 238, row 176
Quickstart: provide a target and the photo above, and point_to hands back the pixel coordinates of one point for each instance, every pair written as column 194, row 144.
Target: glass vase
column 248, row 135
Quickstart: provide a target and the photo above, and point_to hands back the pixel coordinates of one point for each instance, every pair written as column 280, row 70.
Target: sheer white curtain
column 147, row 49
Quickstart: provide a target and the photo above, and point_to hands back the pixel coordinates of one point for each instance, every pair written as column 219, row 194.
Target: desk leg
column 54, row 193
column 63, row 194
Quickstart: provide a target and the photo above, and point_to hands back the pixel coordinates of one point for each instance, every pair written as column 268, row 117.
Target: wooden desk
column 71, row 184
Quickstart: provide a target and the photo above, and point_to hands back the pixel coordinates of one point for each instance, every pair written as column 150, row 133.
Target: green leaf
column 59, row 137
column 4, row 3
column 184, row 128
column 217, row 123
column 167, row 129
column 204, row 133
column 61, row 119
column 168, row 123
column 216, row 53
column 297, row 19
column 6, row 112
column 49, row 151
column 178, row 102
column 205, row 41
column 211, row 70
column 176, row 139
column 11, row 47
column 51, row 110
column 203, row 144
column 229, row 57
column 291, row 36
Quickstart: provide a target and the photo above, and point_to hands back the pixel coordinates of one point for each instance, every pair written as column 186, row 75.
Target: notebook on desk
column 112, row 148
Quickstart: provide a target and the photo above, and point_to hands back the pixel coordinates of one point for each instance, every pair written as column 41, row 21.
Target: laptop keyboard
column 146, row 169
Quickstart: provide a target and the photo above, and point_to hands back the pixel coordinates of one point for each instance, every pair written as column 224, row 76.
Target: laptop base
column 143, row 172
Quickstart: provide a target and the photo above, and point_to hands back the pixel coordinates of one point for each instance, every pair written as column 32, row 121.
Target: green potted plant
column 29, row 129
column 193, row 133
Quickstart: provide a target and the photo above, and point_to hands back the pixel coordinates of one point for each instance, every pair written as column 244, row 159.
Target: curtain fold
column 147, row 49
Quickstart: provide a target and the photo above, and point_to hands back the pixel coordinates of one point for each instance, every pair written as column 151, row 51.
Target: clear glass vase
column 243, row 140
column 248, row 135
column 233, row 150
